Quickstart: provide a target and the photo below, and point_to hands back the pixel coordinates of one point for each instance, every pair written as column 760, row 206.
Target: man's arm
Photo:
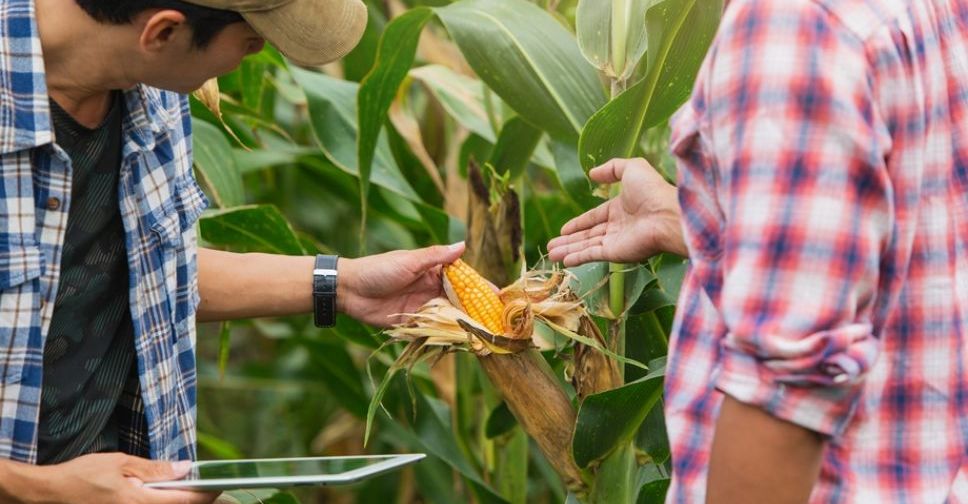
column 759, row 458
column 235, row 286
column 372, row 289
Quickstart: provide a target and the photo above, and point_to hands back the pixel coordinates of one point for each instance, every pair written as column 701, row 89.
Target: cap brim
column 312, row 32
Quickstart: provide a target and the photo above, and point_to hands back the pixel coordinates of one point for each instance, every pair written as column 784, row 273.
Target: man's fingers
column 590, row 253
column 564, row 252
column 610, row 172
column 614, row 170
column 587, row 220
column 440, row 254
column 154, row 470
column 561, row 246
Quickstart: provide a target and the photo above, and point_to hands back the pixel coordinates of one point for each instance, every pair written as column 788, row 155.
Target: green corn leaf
column 679, row 32
column 332, row 107
column 254, row 228
column 610, row 419
column 529, row 59
column 611, row 36
column 571, row 176
column 500, row 421
column 215, row 162
column 515, row 147
column 398, row 46
column 461, row 96
column 654, row 492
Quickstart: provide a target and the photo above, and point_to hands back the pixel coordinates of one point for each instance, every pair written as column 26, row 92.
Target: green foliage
column 257, row 228
column 528, row 59
column 376, row 93
column 679, row 33
column 609, row 420
column 654, row 492
column 216, row 165
column 612, row 39
column 380, row 145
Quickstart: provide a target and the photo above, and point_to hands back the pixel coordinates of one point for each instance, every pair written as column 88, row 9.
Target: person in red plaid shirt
column 821, row 343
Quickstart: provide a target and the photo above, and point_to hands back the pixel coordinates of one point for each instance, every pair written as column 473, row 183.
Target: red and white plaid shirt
column 823, row 166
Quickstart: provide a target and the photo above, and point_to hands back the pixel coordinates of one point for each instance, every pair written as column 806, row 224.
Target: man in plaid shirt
column 821, row 342
column 100, row 276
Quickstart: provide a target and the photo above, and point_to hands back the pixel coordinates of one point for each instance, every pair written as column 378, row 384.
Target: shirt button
column 53, row 204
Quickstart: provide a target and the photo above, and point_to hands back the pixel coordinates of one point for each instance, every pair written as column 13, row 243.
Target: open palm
column 641, row 222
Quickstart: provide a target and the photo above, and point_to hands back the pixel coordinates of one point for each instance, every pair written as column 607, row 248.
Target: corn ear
column 468, row 290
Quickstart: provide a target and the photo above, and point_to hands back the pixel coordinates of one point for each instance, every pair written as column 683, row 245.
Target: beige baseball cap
column 309, row 32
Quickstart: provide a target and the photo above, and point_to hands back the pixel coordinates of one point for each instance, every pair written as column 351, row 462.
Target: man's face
column 183, row 68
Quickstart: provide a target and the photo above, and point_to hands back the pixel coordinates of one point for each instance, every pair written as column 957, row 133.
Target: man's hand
column 96, row 479
column 759, row 458
column 374, row 289
column 643, row 221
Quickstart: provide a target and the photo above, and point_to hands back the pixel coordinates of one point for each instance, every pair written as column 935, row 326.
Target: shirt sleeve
column 806, row 199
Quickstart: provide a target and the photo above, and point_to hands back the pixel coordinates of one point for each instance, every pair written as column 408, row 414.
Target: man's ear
column 161, row 28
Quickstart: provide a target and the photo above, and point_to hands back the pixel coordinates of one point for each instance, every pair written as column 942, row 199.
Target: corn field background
column 457, row 120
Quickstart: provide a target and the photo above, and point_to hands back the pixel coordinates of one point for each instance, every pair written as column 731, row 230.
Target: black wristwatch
column 324, row 290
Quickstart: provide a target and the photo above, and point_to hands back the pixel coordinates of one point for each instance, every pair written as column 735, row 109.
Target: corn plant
column 457, row 120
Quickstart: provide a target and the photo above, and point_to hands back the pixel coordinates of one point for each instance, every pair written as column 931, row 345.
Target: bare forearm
column 759, row 458
column 235, row 286
column 18, row 482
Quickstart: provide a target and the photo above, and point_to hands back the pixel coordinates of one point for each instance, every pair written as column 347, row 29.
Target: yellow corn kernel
column 476, row 296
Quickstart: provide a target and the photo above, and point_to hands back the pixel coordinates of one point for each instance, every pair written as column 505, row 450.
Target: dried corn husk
column 210, row 96
column 542, row 296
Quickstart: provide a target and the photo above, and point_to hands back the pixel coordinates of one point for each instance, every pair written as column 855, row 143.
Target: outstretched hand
column 376, row 289
column 640, row 223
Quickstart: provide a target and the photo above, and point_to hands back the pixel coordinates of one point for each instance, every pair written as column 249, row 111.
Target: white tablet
column 285, row 472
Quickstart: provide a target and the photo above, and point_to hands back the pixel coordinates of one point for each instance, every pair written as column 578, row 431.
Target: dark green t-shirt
column 89, row 353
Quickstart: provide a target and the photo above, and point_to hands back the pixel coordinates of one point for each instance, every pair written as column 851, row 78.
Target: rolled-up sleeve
column 799, row 150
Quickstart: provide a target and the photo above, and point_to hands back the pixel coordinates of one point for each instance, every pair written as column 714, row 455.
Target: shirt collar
column 24, row 107
column 146, row 117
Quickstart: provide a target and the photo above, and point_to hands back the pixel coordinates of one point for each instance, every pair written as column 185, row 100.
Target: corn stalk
column 524, row 380
column 611, row 43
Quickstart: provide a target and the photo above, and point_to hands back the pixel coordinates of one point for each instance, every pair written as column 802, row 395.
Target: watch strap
column 324, row 290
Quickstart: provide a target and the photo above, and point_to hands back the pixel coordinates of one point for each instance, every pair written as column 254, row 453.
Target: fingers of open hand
column 587, row 252
column 587, row 220
column 563, row 246
column 610, row 172
column 616, row 170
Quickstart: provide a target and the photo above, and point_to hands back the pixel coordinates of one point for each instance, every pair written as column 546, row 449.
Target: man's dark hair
column 205, row 22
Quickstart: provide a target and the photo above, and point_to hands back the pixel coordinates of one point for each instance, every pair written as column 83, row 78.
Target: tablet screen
column 279, row 473
column 280, row 467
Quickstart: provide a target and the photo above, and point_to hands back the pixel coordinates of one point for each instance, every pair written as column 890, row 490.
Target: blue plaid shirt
column 160, row 202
